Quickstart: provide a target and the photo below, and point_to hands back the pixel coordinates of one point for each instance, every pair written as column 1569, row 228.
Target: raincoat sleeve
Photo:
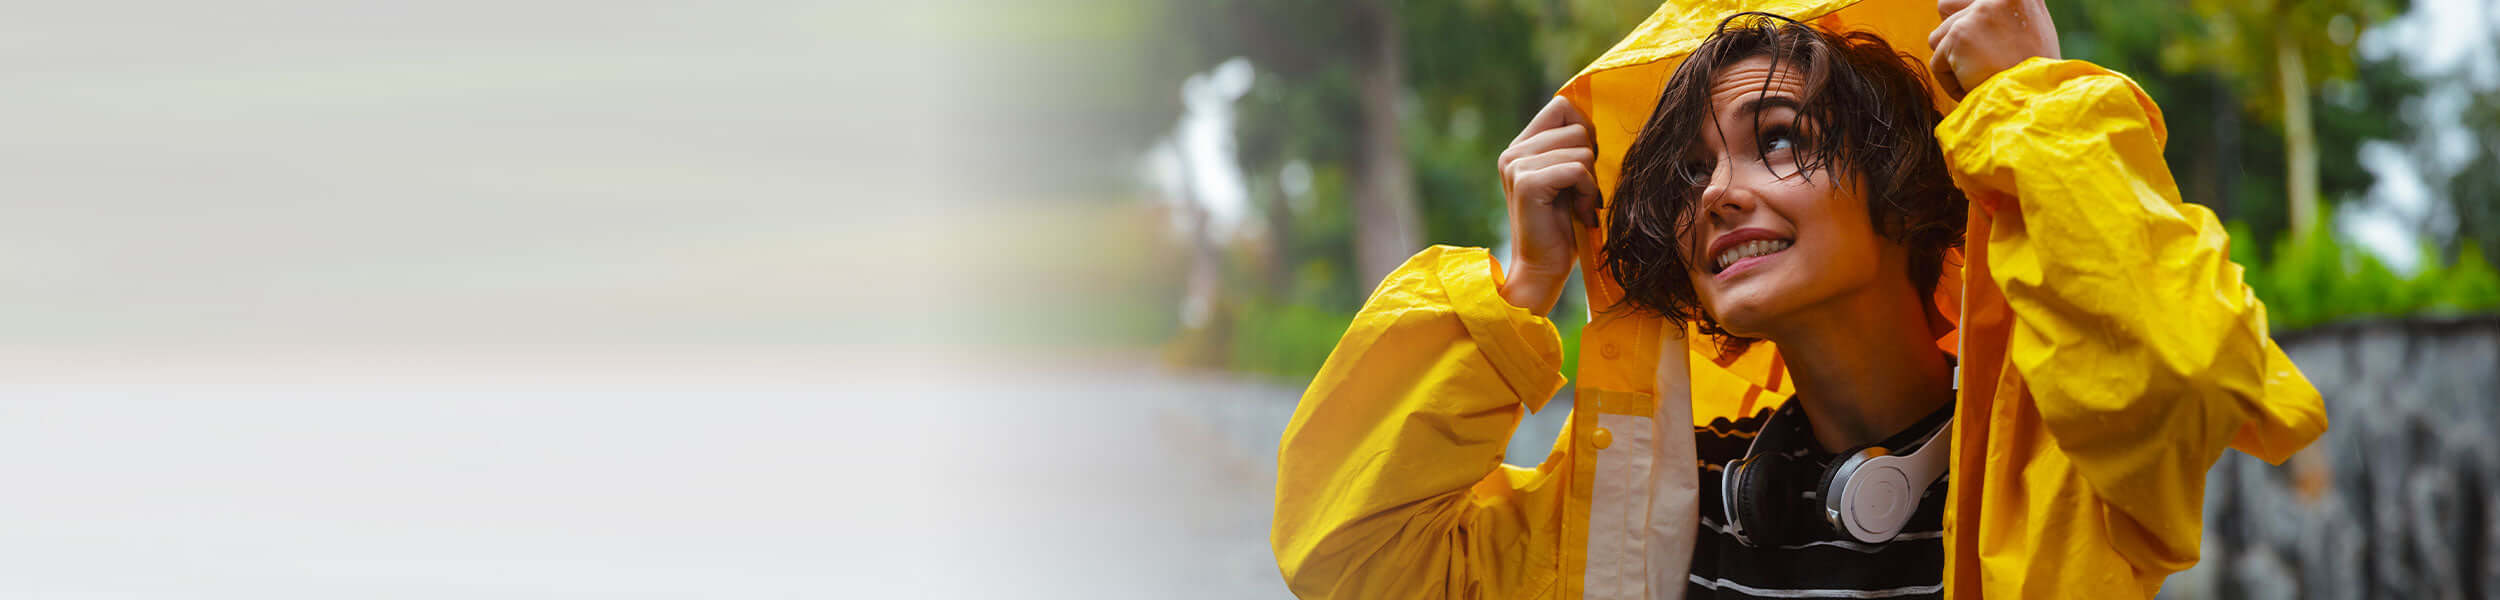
column 2144, row 352
column 1390, row 482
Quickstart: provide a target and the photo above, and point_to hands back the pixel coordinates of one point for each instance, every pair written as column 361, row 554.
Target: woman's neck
column 1865, row 367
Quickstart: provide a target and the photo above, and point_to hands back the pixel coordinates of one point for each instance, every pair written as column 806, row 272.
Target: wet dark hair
column 1867, row 119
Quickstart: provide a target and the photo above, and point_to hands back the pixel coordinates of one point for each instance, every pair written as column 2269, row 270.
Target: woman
column 1794, row 197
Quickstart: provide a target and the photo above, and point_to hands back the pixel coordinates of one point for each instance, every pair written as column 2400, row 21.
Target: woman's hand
column 1980, row 38
column 1548, row 177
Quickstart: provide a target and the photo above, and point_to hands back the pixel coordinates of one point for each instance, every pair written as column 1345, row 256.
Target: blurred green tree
column 2272, row 51
column 2221, row 132
column 1369, row 132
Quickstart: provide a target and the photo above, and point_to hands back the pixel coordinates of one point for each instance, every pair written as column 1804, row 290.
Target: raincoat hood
column 1617, row 92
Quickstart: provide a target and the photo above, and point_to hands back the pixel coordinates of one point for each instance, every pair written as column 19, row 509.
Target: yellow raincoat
column 2110, row 351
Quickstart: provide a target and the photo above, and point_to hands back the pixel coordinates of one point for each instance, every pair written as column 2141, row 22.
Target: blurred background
column 788, row 299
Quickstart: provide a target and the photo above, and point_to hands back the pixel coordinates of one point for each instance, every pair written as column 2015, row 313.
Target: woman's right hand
column 1549, row 179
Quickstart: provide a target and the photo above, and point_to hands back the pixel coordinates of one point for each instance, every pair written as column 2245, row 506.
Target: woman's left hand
column 1980, row 38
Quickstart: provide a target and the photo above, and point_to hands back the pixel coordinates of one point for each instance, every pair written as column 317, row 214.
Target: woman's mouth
column 1747, row 253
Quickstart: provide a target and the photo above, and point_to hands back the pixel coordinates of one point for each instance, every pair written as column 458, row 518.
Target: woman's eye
column 1695, row 173
column 1777, row 141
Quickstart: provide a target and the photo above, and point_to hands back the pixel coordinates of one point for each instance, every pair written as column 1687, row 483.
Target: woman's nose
column 1719, row 198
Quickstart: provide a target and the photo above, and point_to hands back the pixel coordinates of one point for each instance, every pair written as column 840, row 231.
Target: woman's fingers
column 1548, row 177
column 1936, row 36
column 1566, row 136
column 1980, row 38
column 1940, row 66
column 1584, row 197
column 1947, row 62
column 1578, row 154
column 1543, row 191
column 1532, row 144
column 1547, row 183
column 1572, row 176
column 1557, row 112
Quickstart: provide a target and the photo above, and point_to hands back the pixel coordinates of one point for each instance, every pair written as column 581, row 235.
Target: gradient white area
column 465, row 171
column 602, row 474
column 542, row 299
column 612, row 471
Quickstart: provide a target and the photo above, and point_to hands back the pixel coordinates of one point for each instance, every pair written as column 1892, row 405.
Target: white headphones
column 1878, row 491
column 1867, row 496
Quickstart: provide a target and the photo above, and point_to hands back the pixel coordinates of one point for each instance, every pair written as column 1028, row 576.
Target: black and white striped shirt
column 1823, row 563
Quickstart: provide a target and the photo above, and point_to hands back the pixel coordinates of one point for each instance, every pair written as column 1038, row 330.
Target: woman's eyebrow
column 1757, row 103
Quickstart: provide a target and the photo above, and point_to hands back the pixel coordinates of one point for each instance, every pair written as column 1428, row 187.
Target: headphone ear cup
column 1826, row 493
column 1758, row 494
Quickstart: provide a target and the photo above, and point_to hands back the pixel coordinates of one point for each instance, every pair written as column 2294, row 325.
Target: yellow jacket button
column 1602, row 438
column 1609, row 351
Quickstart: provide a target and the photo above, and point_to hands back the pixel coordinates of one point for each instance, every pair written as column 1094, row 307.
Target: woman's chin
column 1750, row 303
column 1741, row 332
column 1739, row 324
column 1744, row 318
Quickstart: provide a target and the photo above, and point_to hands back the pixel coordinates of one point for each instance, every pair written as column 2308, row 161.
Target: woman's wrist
column 1534, row 288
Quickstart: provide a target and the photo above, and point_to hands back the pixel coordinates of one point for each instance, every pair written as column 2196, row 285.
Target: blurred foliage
column 2225, row 123
column 1473, row 71
column 2271, row 51
column 2241, row 38
column 2312, row 279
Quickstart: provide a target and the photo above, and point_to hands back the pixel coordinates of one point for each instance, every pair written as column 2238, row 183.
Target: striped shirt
column 1820, row 563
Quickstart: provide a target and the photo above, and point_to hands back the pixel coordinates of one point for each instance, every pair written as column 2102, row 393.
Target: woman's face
column 1771, row 244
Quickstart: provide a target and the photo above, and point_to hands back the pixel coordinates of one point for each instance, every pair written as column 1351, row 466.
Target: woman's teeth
column 1749, row 250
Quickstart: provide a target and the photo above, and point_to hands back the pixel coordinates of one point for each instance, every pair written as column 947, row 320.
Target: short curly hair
column 1875, row 129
